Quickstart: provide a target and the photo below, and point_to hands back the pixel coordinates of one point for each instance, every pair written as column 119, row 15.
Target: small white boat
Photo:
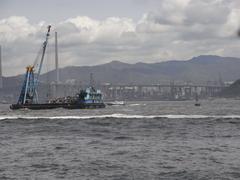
column 116, row 103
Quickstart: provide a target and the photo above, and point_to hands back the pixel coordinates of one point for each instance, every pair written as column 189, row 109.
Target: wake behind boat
column 88, row 98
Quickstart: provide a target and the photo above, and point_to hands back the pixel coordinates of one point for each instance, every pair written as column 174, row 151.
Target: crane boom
column 43, row 53
column 29, row 89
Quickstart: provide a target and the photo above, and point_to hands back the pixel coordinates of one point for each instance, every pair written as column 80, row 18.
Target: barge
column 86, row 99
column 90, row 98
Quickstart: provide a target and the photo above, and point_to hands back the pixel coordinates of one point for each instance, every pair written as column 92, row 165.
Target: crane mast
column 28, row 93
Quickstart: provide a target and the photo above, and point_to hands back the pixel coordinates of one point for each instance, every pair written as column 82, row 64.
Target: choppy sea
column 138, row 141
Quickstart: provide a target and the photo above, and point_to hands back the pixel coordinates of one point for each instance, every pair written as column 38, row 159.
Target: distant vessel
column 116, row 103
column 88, row 98
column 197, row 103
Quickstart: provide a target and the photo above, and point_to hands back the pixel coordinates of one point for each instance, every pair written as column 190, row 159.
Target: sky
column 99, row 31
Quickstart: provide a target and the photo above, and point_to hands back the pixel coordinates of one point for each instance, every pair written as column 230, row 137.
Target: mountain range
column 199, row 69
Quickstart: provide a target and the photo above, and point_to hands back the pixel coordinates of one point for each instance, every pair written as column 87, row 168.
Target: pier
column 160, row 91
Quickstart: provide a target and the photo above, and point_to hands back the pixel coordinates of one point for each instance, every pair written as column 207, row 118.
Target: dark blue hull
column 58, row 105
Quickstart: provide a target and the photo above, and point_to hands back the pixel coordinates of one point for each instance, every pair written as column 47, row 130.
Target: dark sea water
column 141, row 140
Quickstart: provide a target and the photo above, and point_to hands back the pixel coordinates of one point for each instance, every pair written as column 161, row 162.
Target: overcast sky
column 98, row 31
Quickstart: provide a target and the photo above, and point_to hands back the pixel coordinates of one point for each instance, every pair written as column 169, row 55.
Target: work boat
column 88, row 98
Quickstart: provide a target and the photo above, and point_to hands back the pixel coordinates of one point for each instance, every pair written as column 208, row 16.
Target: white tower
column 56, row 58
column 1, row 79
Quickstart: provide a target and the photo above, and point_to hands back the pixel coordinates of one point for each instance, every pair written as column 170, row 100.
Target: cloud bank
column 175, row 29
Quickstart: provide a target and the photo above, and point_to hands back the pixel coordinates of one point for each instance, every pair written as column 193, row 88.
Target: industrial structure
column 160, row 91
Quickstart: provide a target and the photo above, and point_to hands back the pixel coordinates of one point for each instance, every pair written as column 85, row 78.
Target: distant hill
column 198, row 69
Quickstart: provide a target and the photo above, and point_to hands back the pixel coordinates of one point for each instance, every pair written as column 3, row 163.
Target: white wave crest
column 124, row 116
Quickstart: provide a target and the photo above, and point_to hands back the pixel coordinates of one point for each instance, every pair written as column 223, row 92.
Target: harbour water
column 138, row 141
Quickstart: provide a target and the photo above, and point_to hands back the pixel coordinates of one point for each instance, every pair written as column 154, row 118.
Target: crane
column 28, row 93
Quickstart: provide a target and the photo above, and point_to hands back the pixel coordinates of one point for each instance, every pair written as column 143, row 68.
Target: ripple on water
column 111, row 144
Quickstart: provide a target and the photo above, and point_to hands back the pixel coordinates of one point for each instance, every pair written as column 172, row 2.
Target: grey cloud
column 173, row 30
column 206, row 12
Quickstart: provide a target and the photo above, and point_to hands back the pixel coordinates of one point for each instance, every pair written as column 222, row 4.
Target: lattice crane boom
column 29, row 89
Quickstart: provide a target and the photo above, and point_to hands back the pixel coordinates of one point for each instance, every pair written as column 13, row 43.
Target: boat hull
column 54, row 106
